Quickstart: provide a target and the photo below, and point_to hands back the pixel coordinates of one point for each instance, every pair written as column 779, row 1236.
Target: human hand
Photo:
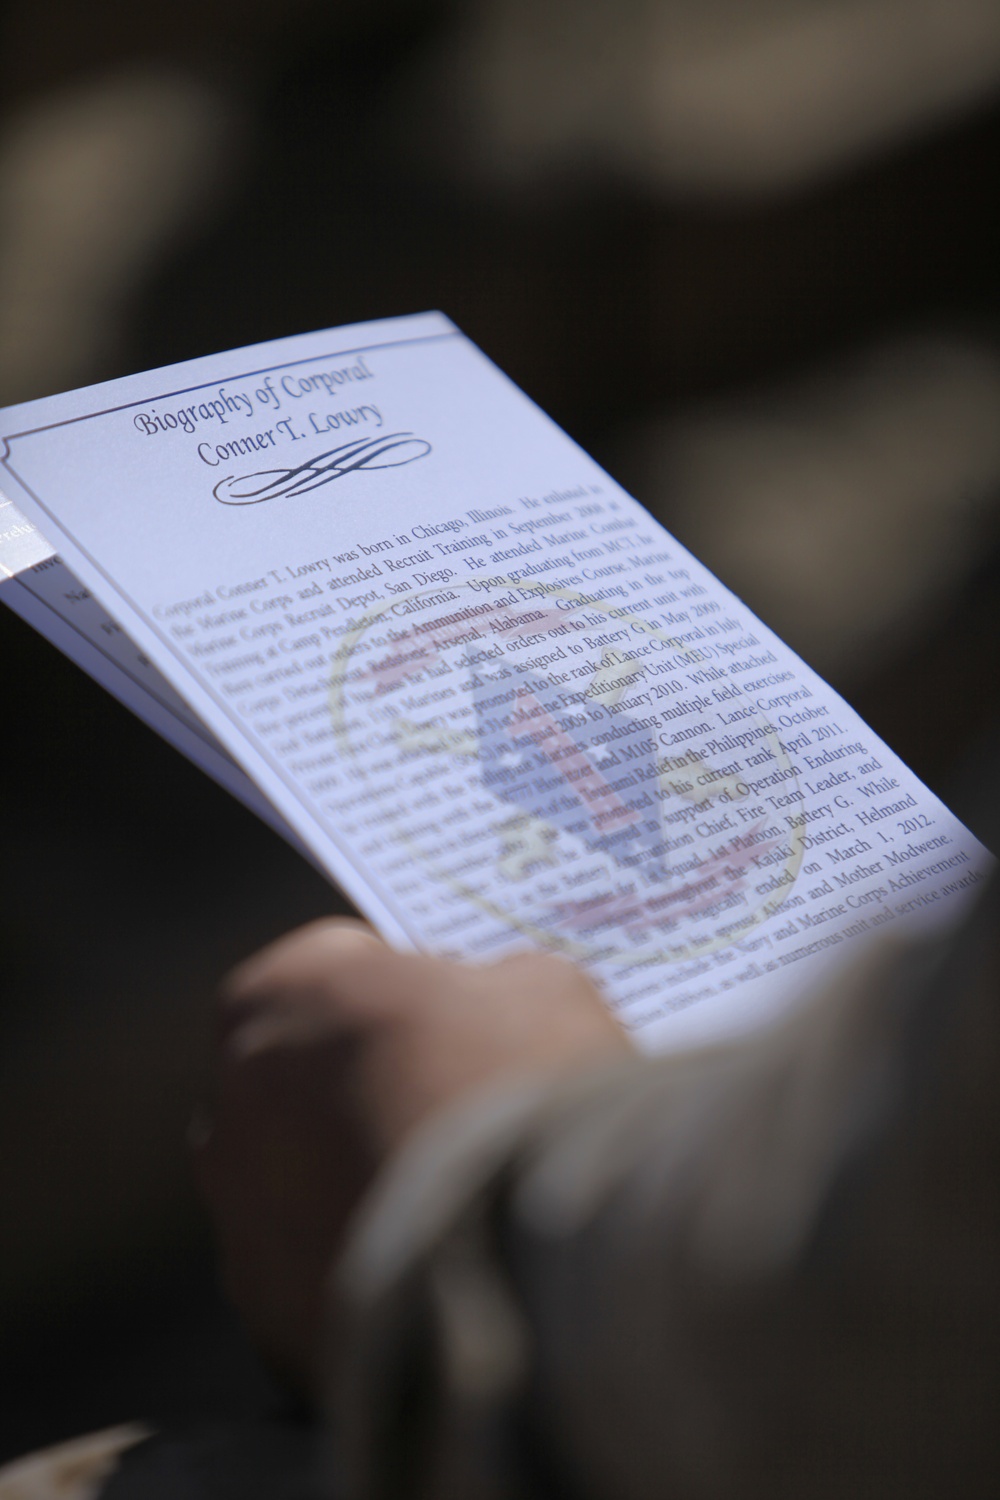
column 331, row 1048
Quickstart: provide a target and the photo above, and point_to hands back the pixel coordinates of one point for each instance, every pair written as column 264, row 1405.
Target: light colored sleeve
column 761, row 1270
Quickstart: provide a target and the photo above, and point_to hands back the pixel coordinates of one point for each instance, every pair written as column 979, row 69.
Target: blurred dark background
column 745, row 251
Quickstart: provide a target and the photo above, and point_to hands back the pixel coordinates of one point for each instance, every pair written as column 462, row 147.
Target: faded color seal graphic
column 555, row 762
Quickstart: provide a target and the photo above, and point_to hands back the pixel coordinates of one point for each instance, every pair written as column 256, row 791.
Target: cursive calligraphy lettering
column 389, row 452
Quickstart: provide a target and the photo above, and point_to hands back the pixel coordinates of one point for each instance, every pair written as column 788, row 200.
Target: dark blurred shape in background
column 746, row 251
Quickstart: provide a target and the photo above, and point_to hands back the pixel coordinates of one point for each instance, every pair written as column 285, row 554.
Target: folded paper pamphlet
column 362, row 580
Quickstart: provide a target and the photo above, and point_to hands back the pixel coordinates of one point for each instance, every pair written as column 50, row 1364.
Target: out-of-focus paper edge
column 23, row 547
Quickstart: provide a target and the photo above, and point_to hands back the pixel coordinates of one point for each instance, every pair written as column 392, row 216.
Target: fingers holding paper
column 331, row 1049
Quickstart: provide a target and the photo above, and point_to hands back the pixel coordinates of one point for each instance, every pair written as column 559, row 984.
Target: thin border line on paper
column 109, row 411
